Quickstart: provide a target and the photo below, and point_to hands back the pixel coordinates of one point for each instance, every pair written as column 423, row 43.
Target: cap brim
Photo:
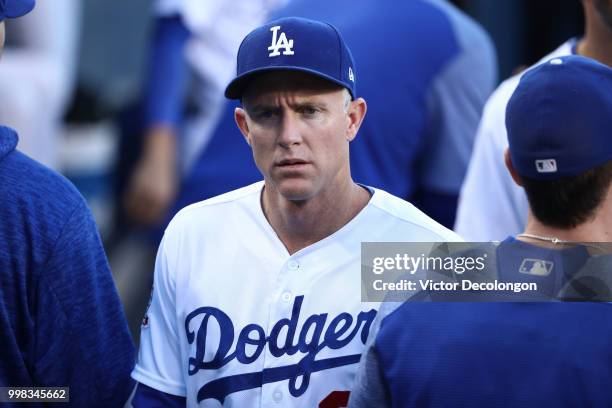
column 18, row 8
column 236, row 88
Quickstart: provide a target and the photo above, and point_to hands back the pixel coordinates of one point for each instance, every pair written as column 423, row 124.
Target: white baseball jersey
column 491, row 206
column 236, row 321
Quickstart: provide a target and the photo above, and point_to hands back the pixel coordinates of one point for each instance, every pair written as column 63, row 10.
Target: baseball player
column 523, row 354
column 256, row 295
column 61, row 322
column 491, row 205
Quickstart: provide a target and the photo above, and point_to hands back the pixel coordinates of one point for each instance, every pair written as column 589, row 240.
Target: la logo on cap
column 279, row 43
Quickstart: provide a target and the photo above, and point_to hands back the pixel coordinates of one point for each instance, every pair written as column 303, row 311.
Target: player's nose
column 289, row 132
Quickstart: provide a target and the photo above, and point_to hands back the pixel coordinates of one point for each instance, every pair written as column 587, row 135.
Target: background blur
column 111, row 43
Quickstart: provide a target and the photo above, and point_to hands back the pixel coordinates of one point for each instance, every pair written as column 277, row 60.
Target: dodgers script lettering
column 341, row 330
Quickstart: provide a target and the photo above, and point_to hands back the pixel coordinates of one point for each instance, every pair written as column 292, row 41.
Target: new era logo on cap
column 546, row 166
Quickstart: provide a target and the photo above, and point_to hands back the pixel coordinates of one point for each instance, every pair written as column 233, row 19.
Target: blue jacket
column 61, row 322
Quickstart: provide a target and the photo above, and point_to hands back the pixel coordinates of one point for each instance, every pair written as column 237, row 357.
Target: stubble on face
column 298, row 125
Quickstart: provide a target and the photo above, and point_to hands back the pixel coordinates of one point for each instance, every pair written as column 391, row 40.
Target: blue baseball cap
column 559, row 118
column 15, row 8
column 295, row 44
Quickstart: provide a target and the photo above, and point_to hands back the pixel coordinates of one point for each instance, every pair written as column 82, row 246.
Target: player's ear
column 355, row 114
column 511, row 169
column 241, row 120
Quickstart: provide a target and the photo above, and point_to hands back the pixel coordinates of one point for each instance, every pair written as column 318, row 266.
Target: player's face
column 299, row 127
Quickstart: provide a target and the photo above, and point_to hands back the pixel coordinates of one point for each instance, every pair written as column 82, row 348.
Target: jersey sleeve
column 167, row 73
column 159, row 358
column 81, row 335
column 491, row 206
column 147, row 397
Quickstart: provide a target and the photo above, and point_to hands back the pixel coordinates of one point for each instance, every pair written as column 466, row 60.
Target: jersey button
column 287, row 296
column 293, row 265
column 278, row 396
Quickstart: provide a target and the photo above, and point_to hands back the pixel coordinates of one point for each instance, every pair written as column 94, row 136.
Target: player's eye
column 309, row 111
column 266, row 114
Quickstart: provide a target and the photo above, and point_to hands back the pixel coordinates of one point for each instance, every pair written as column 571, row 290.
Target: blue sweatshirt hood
column 8, row 141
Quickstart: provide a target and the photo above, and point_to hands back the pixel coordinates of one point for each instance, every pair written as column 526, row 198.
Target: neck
column 299, row 224
column 596, row 229
column 597, row 41
column 586, row 232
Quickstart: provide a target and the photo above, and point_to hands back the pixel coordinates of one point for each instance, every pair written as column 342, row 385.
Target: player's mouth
column 292, row 164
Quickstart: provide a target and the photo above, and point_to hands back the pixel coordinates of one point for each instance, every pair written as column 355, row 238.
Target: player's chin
column 295, row 188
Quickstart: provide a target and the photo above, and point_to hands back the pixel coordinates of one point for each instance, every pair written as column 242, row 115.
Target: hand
column 153, row 185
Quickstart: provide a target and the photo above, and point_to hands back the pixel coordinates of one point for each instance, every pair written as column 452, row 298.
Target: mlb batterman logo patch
column 536, row 267
column 279, row 43
column 546, row 166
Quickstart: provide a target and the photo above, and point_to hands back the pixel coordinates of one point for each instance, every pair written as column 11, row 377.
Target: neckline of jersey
column 343, row 230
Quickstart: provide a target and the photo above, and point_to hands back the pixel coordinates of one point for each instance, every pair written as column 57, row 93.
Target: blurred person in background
column 191, row 60
column 491, row 205
column 426, row 98
column 37, row 76
column 61, row 322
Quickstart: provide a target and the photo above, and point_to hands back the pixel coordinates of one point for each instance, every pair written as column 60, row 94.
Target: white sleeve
column 491, row 206
column 159, row 361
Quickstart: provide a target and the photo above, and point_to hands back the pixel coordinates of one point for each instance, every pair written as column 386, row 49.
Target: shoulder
column 30, row 179
column 494, row 113
column 218, row 209
column 410, row 219
column 496, row 105
column 34, row 194
column 472, row 41
column 465, row 27
column 473, row 51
